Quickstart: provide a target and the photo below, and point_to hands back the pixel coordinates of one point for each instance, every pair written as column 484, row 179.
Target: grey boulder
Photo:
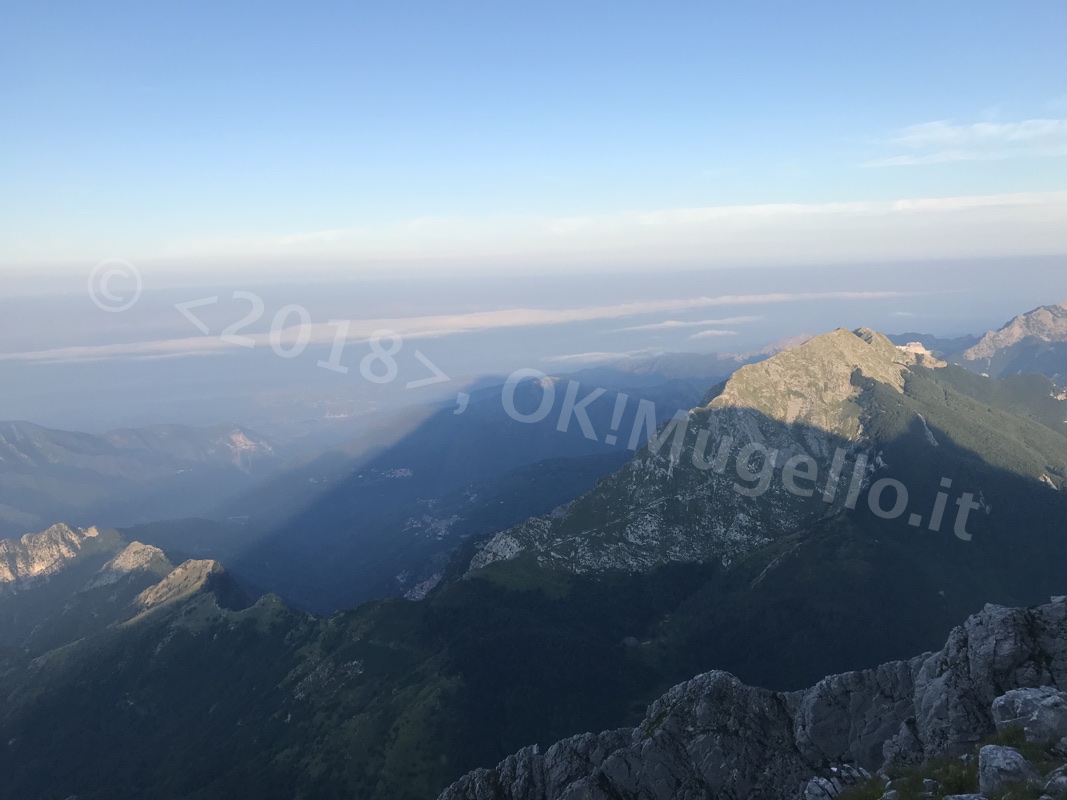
column 1000, row 767
column 1056, row 782
column 1040, row 713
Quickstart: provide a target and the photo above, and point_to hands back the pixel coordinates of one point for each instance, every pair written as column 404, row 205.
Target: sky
column 371, row 137
column 503, row 185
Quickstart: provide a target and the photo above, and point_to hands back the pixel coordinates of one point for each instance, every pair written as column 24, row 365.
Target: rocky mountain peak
column 192, row 578
column 1044, row 324
column 812, row 383
column 136, row 557
column 184, row 581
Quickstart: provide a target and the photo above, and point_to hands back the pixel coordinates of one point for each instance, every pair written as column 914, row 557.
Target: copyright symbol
column 115, row 285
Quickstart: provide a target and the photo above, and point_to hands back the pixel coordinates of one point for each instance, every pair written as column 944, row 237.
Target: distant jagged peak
column 812, row 382
column 1045, row 323
column 37, row 555
column 136, row 557
column 781, row 345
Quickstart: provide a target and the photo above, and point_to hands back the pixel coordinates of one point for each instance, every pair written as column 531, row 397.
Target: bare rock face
column 993, row 652
column 37, row 556
column 714, row 737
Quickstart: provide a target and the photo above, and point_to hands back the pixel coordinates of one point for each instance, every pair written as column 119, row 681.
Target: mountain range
column 764, row 541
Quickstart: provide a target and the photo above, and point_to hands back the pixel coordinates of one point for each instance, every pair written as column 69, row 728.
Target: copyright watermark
column 115, row 285
column 755, row 464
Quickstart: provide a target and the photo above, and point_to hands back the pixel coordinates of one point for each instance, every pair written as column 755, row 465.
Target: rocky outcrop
column 714, row 737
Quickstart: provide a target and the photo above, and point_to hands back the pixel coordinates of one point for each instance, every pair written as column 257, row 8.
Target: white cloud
column 596, row 357
column 943, row 141
column 712, row 334
column 436, row 326
column 672, row 324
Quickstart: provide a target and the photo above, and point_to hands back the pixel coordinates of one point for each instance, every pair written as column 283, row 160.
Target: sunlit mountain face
column 498, row 402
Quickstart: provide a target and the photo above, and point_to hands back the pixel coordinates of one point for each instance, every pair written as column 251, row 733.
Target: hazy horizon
column 152, row 364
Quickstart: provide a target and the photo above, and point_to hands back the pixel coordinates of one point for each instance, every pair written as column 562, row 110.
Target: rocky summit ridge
column 37, row 556
column 183, row 582
column 714, row 737
column 65, row 583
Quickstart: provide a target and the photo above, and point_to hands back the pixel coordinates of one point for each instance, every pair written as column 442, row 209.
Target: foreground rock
column 1040, row 713
column 1002, row 767
column 714, row 737
column 1056, row 782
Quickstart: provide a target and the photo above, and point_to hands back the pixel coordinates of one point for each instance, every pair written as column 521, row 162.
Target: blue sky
column 185, row 134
